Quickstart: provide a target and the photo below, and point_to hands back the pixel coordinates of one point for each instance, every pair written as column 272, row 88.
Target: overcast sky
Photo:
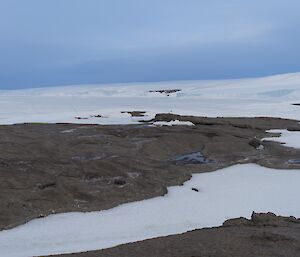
column 58, row 42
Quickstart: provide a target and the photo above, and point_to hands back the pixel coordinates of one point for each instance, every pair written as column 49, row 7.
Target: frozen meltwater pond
column 228, row 193
column 192, row 158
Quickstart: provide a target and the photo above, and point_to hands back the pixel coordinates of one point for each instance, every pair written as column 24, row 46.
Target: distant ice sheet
column 228, row 193
column 270, row 96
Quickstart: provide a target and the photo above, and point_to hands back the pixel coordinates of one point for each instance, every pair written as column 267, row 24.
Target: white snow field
column 228, row 193
column 288, row 138
column 269, row 96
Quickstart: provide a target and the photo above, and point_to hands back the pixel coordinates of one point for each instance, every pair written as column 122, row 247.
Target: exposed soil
column 165, row 91
column 55, row 168
column 97, row 116
column 81, row 118
column 264, row 235
column 136, row 113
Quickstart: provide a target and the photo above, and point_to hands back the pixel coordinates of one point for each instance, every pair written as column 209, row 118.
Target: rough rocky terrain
column 136, row 113
column 264, row 235
column 54, row 168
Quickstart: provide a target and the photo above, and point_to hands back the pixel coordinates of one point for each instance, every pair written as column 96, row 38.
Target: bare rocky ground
column 55, row 168
column 264, row 235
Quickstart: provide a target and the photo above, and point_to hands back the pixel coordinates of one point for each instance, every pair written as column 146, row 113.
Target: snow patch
column 288, row 138
column 173, row 122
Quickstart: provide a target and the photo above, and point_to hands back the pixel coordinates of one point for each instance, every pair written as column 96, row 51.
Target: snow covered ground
column 228, row 193
column 288, row 138
column 269, row 96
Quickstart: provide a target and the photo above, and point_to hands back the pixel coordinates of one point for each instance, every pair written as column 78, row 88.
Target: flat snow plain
column 269, row 96
column 228, row 193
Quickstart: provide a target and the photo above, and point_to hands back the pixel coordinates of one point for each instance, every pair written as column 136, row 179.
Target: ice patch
column 294, row 161
column 192, row 158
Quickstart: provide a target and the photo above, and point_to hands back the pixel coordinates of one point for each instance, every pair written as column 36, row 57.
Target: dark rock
column 270, row 219
column 97, row 116
column 3, row 163
column 81, row 118
column 256, row 143
column 294, row 128
column 119, row 181
column 261, row 219
column 136, row 113
column 47, row 185
column 165, row 91
column 237, row 222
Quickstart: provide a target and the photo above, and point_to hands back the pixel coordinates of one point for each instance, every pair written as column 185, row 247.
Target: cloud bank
column 55, row 42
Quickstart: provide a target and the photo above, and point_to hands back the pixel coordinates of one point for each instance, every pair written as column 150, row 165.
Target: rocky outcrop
column 263, row 219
